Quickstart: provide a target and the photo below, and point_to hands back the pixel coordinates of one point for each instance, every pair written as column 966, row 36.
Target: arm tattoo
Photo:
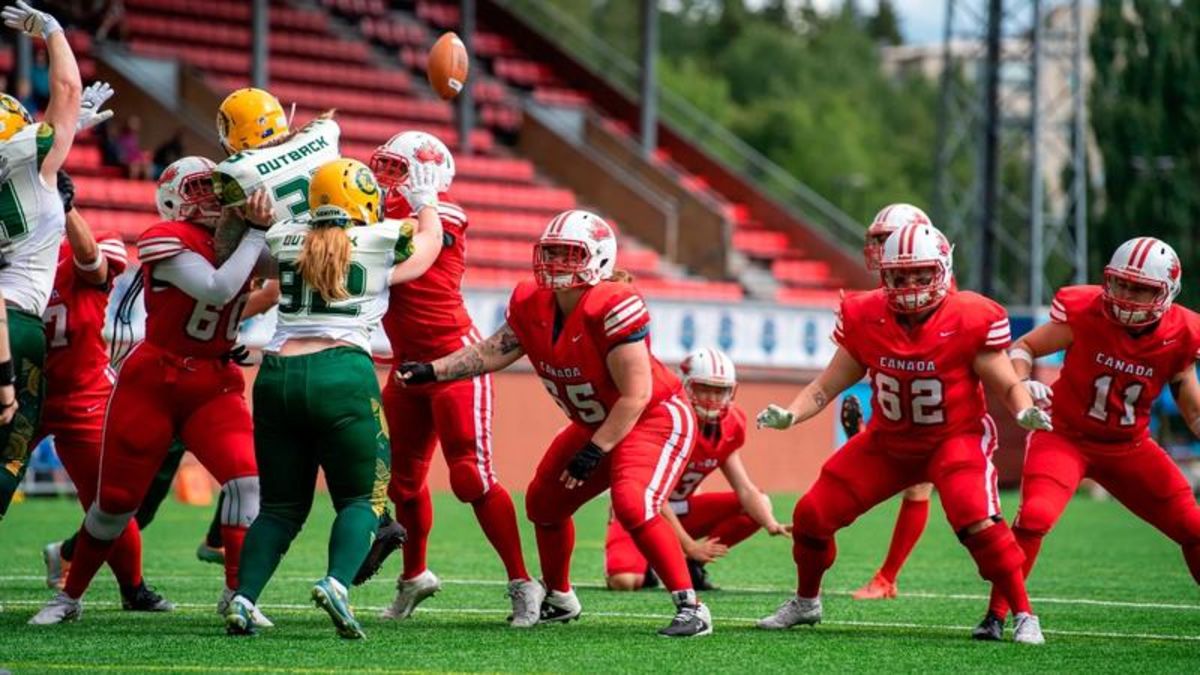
column 229, row 234
column 505, row 340
column 474, row 359
column 820, row 399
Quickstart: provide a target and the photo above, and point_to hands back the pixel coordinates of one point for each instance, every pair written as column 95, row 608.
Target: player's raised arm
column 754, row 501
column 498, row 352
column 62, row 114
column 420, row 190
column 843, row 370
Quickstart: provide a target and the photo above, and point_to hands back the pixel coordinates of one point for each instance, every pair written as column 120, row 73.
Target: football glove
column 1040, row 393
column 239, row 355
column 93, row 98
column 413, row 372
column 30, row 21
column 1034, row 419
column 420, row 190
column 66, row 191
column 775, row 417
column 585, row 462
column 851, row 415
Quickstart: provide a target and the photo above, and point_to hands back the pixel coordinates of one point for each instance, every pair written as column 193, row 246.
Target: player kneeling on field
column 316, row 399
column 928, row 349
column 708, row 524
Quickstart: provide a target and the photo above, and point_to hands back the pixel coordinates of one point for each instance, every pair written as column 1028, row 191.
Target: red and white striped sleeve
column 113, row 249
column 156, row 248
column 1058, row 311
column 452, row 214
column 626, row 318
column 999, row 334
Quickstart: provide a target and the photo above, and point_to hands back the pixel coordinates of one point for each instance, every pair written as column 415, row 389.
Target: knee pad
column 242, row 500
column 629, row 506
column 539, row 506
column 1034, row 517
column 466, row 482
column 105, row 526
column 407, row 480
column 810, row 519
column 995, row 551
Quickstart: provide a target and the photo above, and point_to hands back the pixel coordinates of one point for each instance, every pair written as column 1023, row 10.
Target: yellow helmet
column 248, row 118
column 344, row 192
column 13, row 117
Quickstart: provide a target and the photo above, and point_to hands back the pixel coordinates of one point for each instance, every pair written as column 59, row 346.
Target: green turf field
column 1113, row 596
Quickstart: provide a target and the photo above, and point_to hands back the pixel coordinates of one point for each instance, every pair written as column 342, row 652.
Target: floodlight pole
column 261, row 49
column 649, row 99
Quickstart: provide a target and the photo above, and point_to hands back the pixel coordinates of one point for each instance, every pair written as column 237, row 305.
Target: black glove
column 851, row 415
column 239, row 355
column 66, row 191
column 414, row 372
column 585, row 462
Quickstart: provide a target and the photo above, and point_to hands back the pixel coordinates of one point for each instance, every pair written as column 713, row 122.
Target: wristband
column 92, row 266
column 1020, row 354
column 8, row 374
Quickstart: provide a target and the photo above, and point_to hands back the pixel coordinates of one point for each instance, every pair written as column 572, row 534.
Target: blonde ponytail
column 621, row 276
column 324, row 261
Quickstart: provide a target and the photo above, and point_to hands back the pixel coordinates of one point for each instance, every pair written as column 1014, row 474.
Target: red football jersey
column 1110, row 377
column 175, row 321
column 711, row 452
column 77, row 355
column 923, row 384
column 573, row 366
column 426, row 317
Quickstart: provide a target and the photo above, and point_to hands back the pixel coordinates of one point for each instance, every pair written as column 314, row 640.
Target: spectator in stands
column 109, row 154
column 40, row 78
column 168, row 152
column 129, row 149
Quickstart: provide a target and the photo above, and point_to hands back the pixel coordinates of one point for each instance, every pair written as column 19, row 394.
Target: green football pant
column 27, row 340
column 315, row 411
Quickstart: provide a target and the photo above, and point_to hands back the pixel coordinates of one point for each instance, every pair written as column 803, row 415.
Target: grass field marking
column 124, row 668
column 475, row 611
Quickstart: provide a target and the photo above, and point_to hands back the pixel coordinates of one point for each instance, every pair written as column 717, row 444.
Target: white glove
column 1034, row 419
column 420, row 189
column 775, row 417
column 30, row 21
column 93, row 98
column 1039, row 392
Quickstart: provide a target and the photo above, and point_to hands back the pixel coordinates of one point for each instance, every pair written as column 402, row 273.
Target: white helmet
column 713, row 369
column 185, row 192
column 391, row 160
column 889, row 219
column 912, row 248
column 1144, row 261
column 577, row 249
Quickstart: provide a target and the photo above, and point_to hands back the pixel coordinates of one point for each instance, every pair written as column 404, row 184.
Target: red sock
column 659, row 545
column 1031, row 545
column 555, row 543
column 910, row 523
column 734, row 530
column 90, row 554
column 1001, row 559
column 232, row 537
column 813, row 556
column 125, row 558
column 498, row 519
column 416, row 515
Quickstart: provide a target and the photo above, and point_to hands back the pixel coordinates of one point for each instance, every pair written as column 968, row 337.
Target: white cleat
column 260, row 619
column 1027, row 630
column 56, row 567
column 797, row 611
column 527, row 597
column 61, row 609
column 559, row 607
column 410, row 593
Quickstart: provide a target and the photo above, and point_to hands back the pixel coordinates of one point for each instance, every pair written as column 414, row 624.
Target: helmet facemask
column 913, row 287
column 390, row 169
column 1133, row 300
column 711, row 401
column 561, row 265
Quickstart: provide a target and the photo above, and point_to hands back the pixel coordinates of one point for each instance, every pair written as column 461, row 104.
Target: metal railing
column 685, row 119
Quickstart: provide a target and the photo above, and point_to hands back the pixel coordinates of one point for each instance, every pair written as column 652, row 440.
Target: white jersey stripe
column 987, row 445
column 617, row 316
column 621, row 306
column 626, row 323
column 664, row 460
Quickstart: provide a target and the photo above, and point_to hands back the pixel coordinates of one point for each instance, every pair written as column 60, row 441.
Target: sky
column 921, row 21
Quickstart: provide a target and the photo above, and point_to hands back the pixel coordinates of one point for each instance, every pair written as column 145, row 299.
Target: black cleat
column 699, row 576
column 990, row 629
column 692, row 619
column 650, row 580
column 390, row 536
column 142, row 598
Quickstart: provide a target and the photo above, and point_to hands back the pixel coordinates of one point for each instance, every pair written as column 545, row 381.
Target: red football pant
column 641, row 471
column 1139, row 475
column 76, row 420
column 866, row 471
column 717, row 515
column 459, row 416
column 159, row 397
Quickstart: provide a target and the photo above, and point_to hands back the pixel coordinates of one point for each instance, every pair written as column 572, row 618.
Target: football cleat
column 142, row 598
column 1027, row 630
column 699, row 576
column 390, row 536
column 61, row 609
column 990, row 629
column 692, row 618
column 210, row 554
column 226, row 601
column 877, row 588
column 239, row 616
column 410, row 593
column 851, row 415
column 527, row 597
column 559, row 607
column 56, row 566
column 797, row 611
column 330, row 595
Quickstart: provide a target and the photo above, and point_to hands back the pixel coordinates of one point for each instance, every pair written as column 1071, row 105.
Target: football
column 448, row 65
